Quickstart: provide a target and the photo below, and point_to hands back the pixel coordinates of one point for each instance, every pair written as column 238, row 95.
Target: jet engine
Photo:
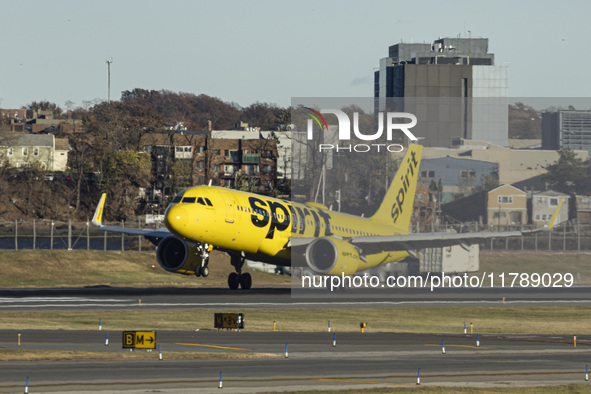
column 332, row 256
column 175, row 255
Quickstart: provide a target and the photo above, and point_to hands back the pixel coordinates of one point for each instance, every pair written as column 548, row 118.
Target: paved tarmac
column 105, row 297
column 357, row 361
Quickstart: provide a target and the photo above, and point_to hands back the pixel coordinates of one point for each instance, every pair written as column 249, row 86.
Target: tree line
column 108, row 156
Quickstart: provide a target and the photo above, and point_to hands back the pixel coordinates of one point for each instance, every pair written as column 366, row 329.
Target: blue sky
column 270, row 51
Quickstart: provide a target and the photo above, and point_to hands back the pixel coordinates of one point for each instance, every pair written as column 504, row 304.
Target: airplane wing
column 151, row 234
column 416, row 241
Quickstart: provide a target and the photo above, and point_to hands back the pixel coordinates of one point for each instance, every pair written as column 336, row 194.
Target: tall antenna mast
column 109, row 79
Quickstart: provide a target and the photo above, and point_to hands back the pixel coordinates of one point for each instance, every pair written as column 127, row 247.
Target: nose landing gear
column 236, row 279
column 203, row 270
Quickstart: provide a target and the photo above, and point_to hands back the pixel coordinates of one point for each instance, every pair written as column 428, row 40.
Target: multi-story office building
column 451, row 85
column 566, row 130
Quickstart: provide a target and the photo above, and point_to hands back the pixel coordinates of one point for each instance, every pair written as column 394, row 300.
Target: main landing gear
column 237, row 278
column 203, row 270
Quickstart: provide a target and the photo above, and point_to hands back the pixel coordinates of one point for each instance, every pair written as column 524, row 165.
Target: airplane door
column 229, row 207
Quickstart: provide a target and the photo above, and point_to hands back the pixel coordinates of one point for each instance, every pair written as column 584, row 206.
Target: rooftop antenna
column 109, row 79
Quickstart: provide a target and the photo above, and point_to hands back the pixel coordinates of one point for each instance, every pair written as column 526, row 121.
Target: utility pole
column 109, row 79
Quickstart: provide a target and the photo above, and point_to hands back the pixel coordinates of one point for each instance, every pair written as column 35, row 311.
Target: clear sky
column 270, row 51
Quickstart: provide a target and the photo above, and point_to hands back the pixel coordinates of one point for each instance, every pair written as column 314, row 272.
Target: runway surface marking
column 362, row 382
column 58, row 299
column 299, row 379
column 6, row 303
column 468, row 346
column 213, row 346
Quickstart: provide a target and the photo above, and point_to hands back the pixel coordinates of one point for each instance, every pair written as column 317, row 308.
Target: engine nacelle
column 332, row 256
column 175, row 255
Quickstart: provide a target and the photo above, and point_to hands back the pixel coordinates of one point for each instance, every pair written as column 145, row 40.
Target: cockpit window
column 200, row 201
column 208, row 202
column 188, row 200
column 177, row 199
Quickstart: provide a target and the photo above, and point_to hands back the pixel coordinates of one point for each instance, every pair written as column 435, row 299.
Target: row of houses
column 223, row 161
column 264, row 158
column 38, row 121
column 507, row 205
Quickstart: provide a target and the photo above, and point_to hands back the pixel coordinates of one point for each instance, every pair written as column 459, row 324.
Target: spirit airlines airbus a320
column 261, row 228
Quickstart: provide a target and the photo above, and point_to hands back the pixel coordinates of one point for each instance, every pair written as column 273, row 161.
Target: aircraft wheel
column 245, row 281
column 205, row 271
column 233, row 281
column 198, row 272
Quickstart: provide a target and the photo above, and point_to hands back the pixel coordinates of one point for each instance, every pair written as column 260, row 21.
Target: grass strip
column 504, row 319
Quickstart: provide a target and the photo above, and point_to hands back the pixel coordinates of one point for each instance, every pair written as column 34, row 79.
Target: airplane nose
column 176, row 218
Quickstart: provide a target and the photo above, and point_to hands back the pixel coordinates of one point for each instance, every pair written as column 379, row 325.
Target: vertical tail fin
column 396, row 209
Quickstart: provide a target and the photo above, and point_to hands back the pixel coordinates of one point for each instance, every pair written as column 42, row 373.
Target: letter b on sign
column 128, row 339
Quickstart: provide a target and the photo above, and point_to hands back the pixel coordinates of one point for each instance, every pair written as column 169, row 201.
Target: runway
column 105, row 298
column 357, row 361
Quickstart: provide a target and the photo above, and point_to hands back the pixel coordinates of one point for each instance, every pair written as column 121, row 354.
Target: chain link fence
column 84, row 235
column 568, row 236
column 44, row 234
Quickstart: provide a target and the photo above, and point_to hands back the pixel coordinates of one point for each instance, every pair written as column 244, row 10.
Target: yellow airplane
column 260, row 228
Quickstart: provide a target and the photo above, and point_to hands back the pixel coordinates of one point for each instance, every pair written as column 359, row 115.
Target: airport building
column 452, row 85
column 566, row 130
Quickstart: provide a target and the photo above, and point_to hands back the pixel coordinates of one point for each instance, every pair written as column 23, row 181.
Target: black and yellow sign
column 139, row 339
column 229, row 320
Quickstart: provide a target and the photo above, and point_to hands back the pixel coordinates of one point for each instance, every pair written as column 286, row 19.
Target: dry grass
column 61, row 268
column 74, row 268
column 538, row 262
column 37, row 355
column 563, row 320
column 570, row 389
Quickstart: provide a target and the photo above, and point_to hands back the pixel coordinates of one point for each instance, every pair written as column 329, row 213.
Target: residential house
column 21, row 150
column 424, row 207
column 544, row 204
column 506, row 206
column 583, row 208
column 220, row 161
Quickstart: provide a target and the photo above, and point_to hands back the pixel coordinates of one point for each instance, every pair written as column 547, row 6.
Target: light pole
column 109, row 79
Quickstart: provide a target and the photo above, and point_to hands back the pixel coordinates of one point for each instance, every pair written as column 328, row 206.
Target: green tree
column 125, row 172
column 569, row 173
column 181, row 176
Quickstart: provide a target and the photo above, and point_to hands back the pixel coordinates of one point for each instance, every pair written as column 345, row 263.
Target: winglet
column 98, row 214
column 553, row 220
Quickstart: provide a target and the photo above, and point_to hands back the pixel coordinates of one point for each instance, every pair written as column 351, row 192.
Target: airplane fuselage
column 261, row 226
